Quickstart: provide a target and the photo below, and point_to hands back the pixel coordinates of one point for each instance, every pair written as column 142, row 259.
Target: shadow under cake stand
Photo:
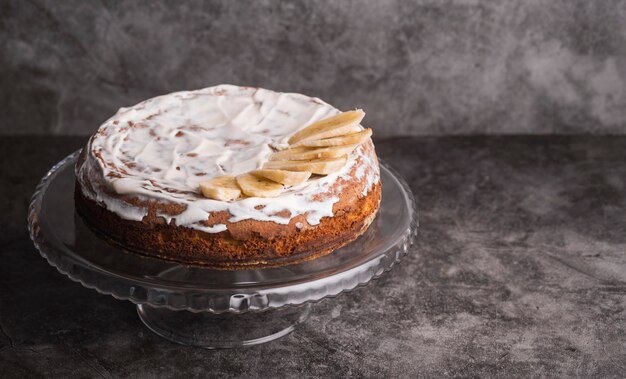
column 214, row 308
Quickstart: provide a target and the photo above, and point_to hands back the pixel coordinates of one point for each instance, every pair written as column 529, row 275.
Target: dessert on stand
column 224, row 241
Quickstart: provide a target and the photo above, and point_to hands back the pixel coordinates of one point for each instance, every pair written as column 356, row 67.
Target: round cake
column 230, row 177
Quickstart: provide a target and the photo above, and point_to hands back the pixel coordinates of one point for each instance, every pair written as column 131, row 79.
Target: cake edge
column 144, row 239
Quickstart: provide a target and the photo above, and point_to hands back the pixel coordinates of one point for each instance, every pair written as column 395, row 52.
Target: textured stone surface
column 416, row 67
column 519, row 270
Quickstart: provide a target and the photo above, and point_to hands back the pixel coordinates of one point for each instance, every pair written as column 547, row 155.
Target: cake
column 230, row 178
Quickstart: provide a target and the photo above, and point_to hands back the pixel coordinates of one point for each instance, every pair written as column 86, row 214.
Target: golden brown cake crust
column 227, row 250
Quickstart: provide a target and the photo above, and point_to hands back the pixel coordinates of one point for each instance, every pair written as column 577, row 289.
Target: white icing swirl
column 162, row 148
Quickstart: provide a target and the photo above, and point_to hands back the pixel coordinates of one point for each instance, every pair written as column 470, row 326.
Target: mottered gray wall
column 416, row 67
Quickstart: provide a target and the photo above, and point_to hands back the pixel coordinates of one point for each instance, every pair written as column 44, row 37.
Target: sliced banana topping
column 288, row 178
column 322, row 166
column 349, row 139
column 221, row 188
column 304, row 153
column 258, row 187
column 341, row 124
column 321, row 148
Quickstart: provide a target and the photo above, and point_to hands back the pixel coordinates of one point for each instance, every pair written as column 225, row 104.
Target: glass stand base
column 222, row 331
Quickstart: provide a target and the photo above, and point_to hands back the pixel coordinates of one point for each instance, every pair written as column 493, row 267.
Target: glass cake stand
column 214, row 308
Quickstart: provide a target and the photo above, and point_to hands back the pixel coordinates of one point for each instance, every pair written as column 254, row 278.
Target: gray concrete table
column 519, row 270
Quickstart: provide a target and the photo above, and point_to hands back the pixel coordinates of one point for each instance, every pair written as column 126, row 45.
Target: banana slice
column 341, row 124
column 258, row 187
column 221, row 188
column 322, row 166
column 349, row 139
column 288, row 178
column 306, row 153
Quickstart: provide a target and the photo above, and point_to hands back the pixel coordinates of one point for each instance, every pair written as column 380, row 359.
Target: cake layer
column 288, row 244
column 138, row 180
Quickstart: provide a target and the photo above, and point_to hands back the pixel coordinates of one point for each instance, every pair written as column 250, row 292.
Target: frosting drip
column 162, row 148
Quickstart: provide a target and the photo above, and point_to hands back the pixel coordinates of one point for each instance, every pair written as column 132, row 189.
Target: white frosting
column 162, row 148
